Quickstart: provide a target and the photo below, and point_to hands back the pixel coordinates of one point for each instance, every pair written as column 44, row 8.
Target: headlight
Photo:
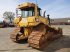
column 36, row 19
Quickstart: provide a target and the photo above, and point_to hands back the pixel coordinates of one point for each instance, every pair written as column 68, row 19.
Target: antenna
column 36, row 2
column 36, row 9
column 28, row 0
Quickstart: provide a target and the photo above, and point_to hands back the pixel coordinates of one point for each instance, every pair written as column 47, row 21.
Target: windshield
column 25, row 13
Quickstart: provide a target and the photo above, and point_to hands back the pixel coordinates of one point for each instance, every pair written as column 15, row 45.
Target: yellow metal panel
column 27, row 4
column 16, row 20
column 43, row 20
column 23, row 22
column 26, row 32
column 31, row 19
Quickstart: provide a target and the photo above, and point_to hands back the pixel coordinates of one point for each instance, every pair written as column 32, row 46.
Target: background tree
column 9, row 16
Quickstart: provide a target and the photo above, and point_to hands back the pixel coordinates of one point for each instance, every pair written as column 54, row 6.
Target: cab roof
column 27, row 5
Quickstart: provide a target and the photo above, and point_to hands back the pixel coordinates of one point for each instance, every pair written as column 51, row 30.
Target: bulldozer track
column 37, row 38
column 40, row 38
column 34, row 39
column 14, row 34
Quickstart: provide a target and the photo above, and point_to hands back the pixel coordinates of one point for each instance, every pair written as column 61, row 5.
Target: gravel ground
column 59, row 45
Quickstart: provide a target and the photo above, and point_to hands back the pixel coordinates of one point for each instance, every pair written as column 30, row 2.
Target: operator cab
column 27, row 10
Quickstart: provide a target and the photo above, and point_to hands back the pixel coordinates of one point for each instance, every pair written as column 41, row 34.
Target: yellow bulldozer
column 32, row 26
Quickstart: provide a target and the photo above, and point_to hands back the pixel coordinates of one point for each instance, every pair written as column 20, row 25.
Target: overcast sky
column 56, row 8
